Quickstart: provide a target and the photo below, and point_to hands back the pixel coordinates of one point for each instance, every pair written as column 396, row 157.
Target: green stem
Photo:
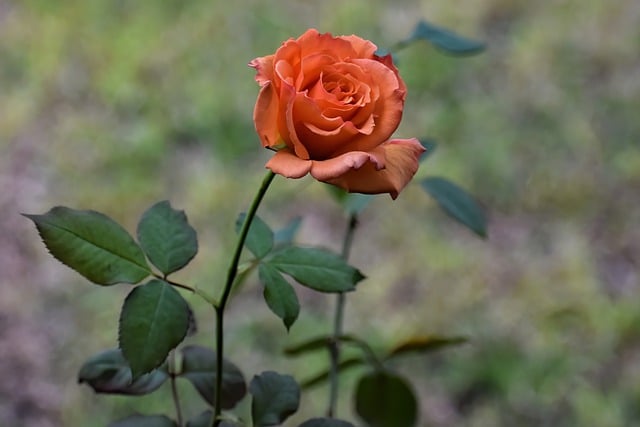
column 174, row 388
column 231, row 275
column 194, row 290
column 172, row 283
column 368, row 352
column 334, row 348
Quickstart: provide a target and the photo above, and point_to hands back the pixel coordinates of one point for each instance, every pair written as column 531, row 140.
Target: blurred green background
column 114, row 105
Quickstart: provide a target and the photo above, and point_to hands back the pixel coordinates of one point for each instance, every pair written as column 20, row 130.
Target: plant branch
column 368, row 352
column 231, row 275
column 194, row 290
column 177, row 285
column 334, row 347
column 174, row 388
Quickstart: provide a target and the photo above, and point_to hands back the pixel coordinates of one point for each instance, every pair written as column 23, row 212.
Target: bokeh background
column 114, row 105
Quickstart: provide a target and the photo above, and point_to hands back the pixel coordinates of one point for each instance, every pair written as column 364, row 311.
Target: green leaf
column 285, row 235
column 323, row 376
column 325, row 422
column 323, row 341
column 457, row 203
column 309, row 345
column 275, row 398
column 260, row 238
column 167, row 238
column 384, row 399
column 425, row 344
column 92, row 244
column 326, row 342
column 201, row 420
column 108, row 372
column 199, row 367
column 317, row 269
column 145, row 421
column 153, row 321
column 430, row 145
column 444, row 40
column 279, row 295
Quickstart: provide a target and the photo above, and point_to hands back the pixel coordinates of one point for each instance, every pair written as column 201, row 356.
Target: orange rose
column 328, row 106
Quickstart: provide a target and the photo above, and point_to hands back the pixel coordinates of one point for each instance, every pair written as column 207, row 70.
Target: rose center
column 343, row 90
column 343, row 87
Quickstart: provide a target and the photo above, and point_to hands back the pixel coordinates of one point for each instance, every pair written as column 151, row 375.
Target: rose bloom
column 328, row 106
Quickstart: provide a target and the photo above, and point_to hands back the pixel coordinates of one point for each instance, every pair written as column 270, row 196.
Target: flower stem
column 334, row 348
column 231, row 275
column 174, row 388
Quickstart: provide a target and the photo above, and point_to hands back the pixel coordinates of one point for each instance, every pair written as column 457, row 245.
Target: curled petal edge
column 287, row 164
column 387, row 168
column 401, row 163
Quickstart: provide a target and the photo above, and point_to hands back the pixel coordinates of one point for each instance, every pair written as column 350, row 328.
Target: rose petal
column 287, row 164
column 285, row 72
column 287, row 103
column 343, row 85
column 312, row 42
column 326, row 170
column 264, row 69
column 370, row 126
column 387, row 108
column 265, row 117
column 388, row 61
column 401, row 163
column 363, row 48
column 311, row 68
column 321, row 135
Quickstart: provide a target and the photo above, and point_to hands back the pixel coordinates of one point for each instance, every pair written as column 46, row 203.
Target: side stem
column 338, row 320
column 174, row 388
column 231, row 275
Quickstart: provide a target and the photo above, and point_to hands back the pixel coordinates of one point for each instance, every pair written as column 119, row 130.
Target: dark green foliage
column 109, row 372
column 457, row 203
column 315, row 268
column 309, row 345
column 279, row 295
column 324, row 341
column 323, row 376
column 167, row 238
column 444, row 40
column 92, row 244
column 199, row 367
column 260, row 237
column 153, row 321
column 275, row 398
column 201, row 420
column 424, row 344
column 384, row 399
